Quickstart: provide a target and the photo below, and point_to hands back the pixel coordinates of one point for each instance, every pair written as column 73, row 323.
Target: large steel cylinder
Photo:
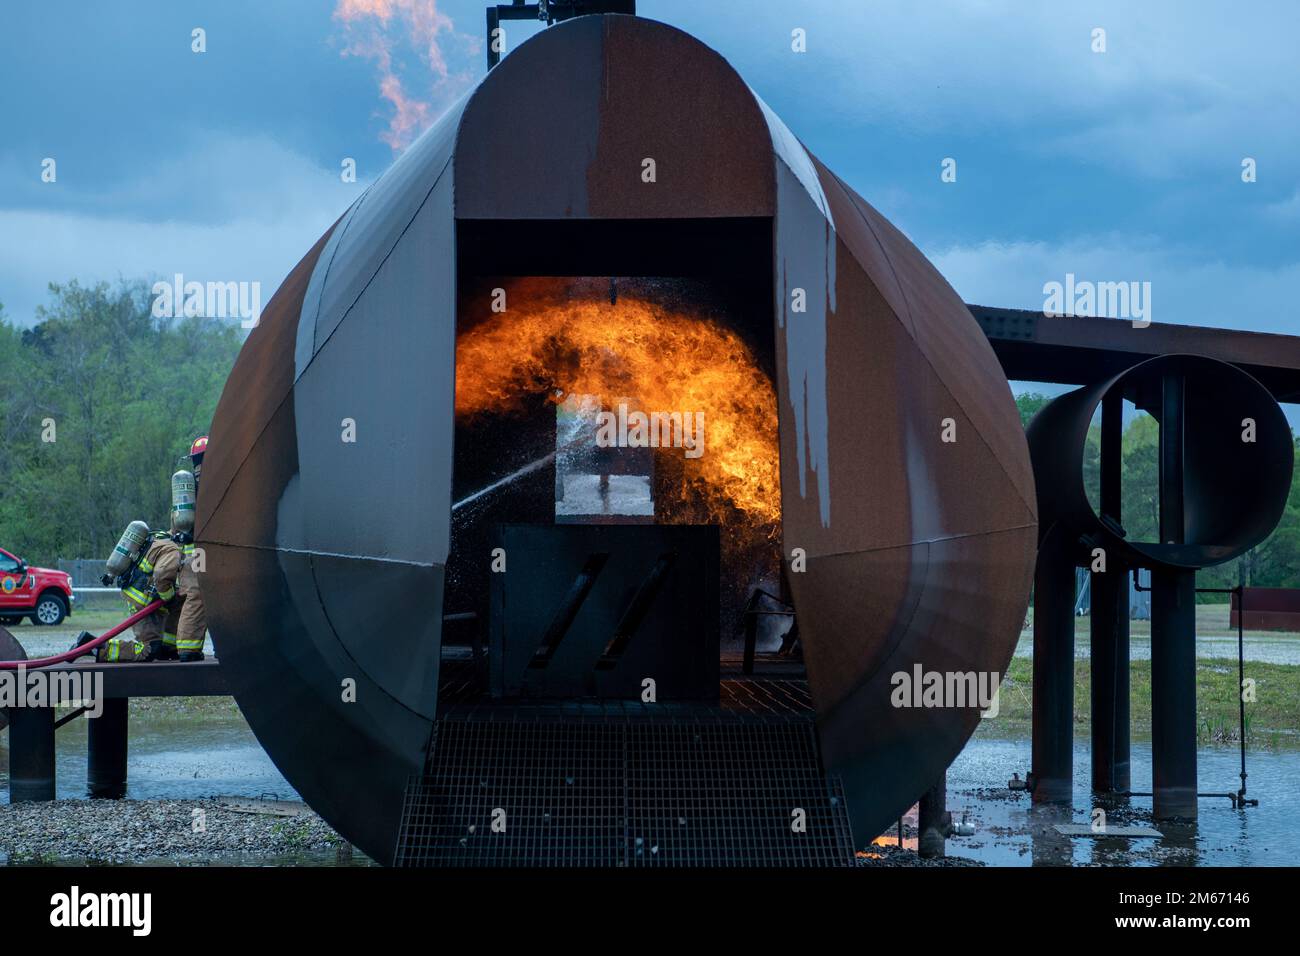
column 906, row 485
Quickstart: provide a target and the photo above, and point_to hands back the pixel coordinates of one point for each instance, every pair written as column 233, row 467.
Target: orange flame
column 658, row 361
column 373, row 29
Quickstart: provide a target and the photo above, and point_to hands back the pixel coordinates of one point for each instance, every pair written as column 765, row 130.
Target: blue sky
column 1123, row 165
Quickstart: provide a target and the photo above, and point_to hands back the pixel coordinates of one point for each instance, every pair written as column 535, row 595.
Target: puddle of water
column 202, row 758
column 1010, row 832
column 179, row 760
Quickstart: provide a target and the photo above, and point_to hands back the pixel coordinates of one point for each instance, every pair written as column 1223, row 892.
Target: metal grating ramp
column 625, row 791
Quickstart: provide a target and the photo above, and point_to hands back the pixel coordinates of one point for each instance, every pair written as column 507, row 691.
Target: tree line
column 100, row 399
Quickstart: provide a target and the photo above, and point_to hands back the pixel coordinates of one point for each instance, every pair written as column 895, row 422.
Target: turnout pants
column 160, row 625
column 192, row 618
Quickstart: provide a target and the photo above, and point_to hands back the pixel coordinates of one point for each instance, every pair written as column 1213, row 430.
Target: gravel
column 164, row 831
column 890, row 854
column 137, row 831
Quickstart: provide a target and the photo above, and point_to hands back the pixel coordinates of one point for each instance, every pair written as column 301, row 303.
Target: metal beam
column 1081, row 350
column 157, row 679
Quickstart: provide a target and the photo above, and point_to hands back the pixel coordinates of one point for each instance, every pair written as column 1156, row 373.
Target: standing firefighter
column 144, row 565
column 192, row 627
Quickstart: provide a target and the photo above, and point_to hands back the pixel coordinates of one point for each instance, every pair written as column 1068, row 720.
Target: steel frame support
column 1173, row 632
column 934, row 821
column 1053, row 709
column 1109, row 621
column 31, row 754
column 106, row 747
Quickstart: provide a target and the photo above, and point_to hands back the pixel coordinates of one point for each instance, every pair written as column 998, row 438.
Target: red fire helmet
column 199, row 446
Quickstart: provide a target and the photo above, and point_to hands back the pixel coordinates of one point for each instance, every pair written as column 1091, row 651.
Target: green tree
column 122, row 393
column 1029, row 403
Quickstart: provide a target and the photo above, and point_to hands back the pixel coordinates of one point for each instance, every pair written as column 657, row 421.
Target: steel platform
column 626, row 784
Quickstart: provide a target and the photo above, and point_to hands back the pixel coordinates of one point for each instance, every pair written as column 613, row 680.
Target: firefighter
column 145, row 565
column 192, row 621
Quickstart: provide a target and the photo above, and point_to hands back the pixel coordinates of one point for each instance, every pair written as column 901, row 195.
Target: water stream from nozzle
column 519, row 473
column 502, row 482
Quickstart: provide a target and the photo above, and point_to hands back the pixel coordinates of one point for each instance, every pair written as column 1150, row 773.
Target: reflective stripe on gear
column 122, row 651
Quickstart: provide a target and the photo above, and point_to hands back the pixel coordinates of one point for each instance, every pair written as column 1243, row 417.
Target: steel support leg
column 106, row 743
column 1173, row 630
column 1173, row 693
column 1110, row 623
column 31, row 754
column 1053, row 719
column 934, row 821
column 1110, row 682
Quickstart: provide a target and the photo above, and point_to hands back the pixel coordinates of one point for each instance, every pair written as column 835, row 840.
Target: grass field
column 1272, row 720
column 1212, row 620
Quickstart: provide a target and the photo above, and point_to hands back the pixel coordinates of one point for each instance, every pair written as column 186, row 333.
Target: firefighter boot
column 188, row 657
column 85, row 637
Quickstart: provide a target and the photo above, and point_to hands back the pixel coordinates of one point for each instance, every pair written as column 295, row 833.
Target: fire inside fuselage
column 640, row 411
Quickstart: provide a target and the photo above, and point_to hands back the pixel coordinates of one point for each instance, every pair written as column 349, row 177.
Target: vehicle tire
column 10, row 621
column 51, row 609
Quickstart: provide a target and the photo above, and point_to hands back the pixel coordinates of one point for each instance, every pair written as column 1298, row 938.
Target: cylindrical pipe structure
column 1225, row 459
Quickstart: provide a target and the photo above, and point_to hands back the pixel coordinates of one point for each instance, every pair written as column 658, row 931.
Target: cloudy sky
column 1122, row 165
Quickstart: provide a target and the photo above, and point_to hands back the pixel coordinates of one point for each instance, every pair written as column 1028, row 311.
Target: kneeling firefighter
column 192, row 622
column 144, row 565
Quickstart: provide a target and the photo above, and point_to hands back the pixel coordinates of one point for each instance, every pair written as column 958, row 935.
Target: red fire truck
column 42, row 594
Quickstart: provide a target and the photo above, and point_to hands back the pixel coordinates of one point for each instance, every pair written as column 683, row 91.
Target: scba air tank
column 127, row 547
column 184, row 492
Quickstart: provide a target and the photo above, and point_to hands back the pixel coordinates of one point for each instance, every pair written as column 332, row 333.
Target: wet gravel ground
column 890, row 854
column 136, row 831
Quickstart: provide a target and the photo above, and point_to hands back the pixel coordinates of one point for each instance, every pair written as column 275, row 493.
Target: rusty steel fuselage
column 326, row 556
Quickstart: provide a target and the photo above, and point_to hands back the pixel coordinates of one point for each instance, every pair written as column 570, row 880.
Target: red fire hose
column 84, row 648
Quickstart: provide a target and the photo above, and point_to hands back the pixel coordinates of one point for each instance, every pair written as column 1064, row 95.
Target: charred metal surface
column 631, row 90
column 325, row 558
column 927, row 556
column 596, row 610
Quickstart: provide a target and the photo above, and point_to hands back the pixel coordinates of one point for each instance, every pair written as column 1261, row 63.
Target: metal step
column 624, row 791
